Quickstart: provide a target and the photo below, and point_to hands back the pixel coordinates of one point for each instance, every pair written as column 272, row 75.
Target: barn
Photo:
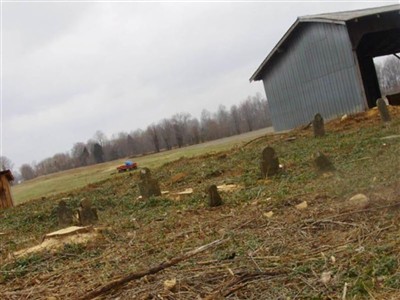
column 324, row 64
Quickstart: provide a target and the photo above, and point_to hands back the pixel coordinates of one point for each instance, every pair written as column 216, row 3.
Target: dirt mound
column 362, row 119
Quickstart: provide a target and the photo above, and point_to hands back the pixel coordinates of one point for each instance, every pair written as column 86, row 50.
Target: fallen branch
column 240, row 282
column 253, row 140
column 137, row 275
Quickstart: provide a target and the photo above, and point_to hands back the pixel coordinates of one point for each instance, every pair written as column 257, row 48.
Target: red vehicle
column 127, row 166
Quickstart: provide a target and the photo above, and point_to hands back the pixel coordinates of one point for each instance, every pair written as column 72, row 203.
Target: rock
column 148, row 186
column 358, row 201
column 322, row 163
column 170, row 284
column 302, row 205
column 383, row 110
column 87, row 215
column 269, row 214
column 213, row 196
column 64, row 214
column 326, row 277
column 318, row 126
column 333, row 260
column 269, row 162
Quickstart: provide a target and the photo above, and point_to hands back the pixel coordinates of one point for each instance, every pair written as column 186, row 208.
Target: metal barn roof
column 336, row 17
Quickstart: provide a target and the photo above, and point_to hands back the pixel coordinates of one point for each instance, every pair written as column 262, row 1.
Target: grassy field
column 329, row 247
column 51, row 184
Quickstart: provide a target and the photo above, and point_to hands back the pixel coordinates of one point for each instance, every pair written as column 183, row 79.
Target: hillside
column 45, row 186
column 270, row 247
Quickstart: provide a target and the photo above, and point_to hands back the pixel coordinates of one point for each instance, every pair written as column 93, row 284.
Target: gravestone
column 269, row 162
column 87, row 215
column 64, row 214
column 383, row 110
column 148, row 186
column 322, row 163
column 318, row 125
column 214, row 199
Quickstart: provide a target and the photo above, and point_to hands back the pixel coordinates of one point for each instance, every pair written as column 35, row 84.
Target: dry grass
column 52, row 184
column 285, row 256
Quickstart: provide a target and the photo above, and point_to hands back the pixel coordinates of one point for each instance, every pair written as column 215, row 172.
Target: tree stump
column 322, row 163
column 269, row 162
column 383, row 110
column 148, row 186
column 214, row 199
column 64, row 214
column 87, row 215
column 318, row 126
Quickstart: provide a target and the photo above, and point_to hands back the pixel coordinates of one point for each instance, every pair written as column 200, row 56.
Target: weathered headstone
column 64, row 214
column 322, row 163
column 318, row 125
column 214, row 199
column 383, row 110
column 269, row 162
column 148, row 186
column 87, row 214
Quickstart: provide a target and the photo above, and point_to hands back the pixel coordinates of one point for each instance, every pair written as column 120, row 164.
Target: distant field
column 76, row 178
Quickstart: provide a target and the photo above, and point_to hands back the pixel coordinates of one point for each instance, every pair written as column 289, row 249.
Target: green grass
column 137, row 234
column 66, row 181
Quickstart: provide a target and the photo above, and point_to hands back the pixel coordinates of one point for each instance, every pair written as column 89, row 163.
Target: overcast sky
column 70, row 69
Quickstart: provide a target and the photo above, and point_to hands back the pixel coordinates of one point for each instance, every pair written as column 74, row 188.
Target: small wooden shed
column 5, row 189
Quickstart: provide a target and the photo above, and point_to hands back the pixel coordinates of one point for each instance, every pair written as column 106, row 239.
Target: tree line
column 178, row 131
column 388, row 73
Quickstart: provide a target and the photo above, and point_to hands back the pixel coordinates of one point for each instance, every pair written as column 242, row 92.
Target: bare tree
column 223, row 120
column 130, row 145
column 97, row 152
column 388, row 72
column 100, row 137
column 248, row 113
column 153, row 134
column 80, row 154
column 27, row 172
column 209, row 127
column 6, row 163
column 166, row 130
column 62, row 161
column 180, row 121
column 194, row 131
column 236, row 119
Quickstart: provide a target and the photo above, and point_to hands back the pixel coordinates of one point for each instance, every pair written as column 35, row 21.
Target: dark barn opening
column 327, row 65
column 373, row 36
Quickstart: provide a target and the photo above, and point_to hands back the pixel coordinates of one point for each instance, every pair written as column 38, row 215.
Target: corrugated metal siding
column 316, row 74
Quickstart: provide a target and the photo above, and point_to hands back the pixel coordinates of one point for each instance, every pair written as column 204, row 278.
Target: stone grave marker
column 148, row 186
column 269, row 162
column 87, row 215
column 323, row 163
column 383, row 110
column 64, row 214
column 318, row 125
column 214, row 199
